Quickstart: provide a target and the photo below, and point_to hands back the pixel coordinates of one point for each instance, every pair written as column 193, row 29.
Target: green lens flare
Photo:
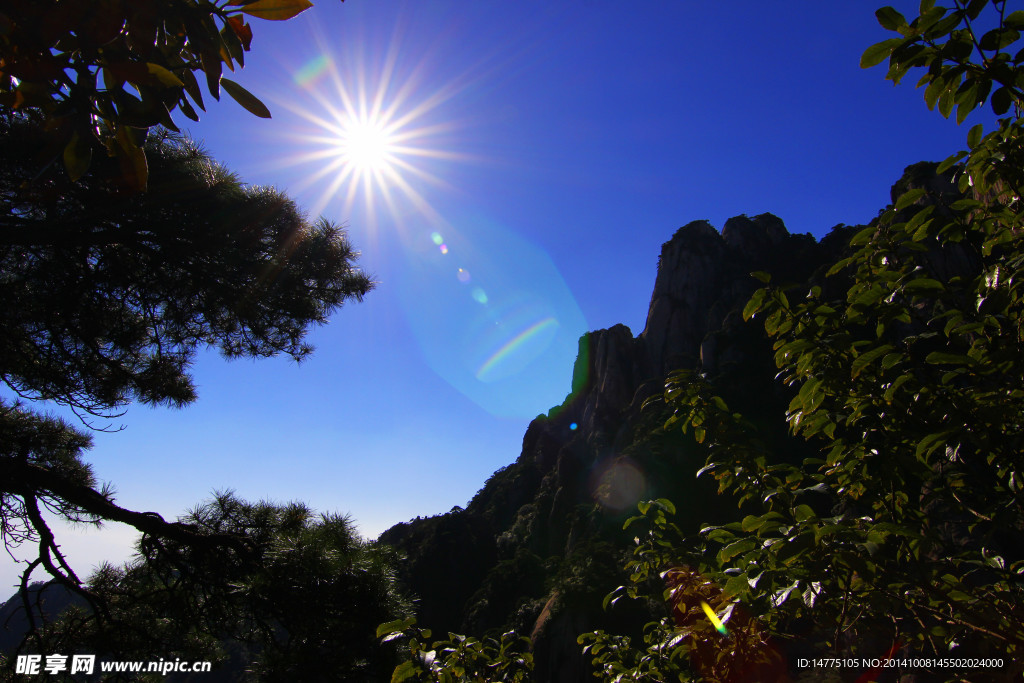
column 719, row 626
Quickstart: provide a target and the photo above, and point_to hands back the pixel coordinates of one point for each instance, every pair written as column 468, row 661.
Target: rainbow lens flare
column 534, row 333
column 493, row 317
column 312, row 71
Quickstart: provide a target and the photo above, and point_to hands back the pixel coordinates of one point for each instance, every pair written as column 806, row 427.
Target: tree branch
column 25, row 479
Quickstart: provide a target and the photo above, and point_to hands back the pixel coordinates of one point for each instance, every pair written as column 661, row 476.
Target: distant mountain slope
column 45, row 605
column 541, row 542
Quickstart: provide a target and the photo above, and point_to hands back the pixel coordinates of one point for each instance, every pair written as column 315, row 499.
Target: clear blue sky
column 550, row 149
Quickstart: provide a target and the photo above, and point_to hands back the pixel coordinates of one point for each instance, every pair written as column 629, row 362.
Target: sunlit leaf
column 403, row 672
column 163, row 75
column 132, row 161
column 274, row 10
column 77, row 156
column 245, row 98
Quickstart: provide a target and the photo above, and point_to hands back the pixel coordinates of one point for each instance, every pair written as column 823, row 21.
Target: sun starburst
column 371, row 132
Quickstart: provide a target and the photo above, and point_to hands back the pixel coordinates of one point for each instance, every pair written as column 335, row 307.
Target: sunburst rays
column 373, row 132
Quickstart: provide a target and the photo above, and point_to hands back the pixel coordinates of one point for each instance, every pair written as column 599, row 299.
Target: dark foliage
column 105, row 298
column 301, row 603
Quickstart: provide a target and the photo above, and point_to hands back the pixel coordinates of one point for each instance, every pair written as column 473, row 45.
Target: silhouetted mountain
column 46, row 601
column 541, row 542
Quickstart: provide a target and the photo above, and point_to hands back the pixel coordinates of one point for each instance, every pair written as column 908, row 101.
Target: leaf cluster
column 457, row 659
column 965, row 66
column 105, row 298
column 299, row 602
column 685, row 645
column 101, row 73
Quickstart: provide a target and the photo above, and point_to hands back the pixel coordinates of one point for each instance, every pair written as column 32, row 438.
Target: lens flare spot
column 312, row 71
column 505, row 329
column 573, row 426
column 618, row 484
column 443, row 248
column 436, row 238
column 715, row 621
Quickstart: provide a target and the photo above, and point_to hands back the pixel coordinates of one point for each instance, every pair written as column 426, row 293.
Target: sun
column 371, row 130
column 366, row 145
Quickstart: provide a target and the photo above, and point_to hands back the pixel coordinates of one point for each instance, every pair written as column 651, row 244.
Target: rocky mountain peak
column 542, row 507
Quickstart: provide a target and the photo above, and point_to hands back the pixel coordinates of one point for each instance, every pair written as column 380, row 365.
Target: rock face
column 560, row 506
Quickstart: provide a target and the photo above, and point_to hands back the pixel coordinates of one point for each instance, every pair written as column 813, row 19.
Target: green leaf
column 187, row 109
column 963, row 108
column 909, row 197
column 403, row 672
column 395, row 626
column 918, row 225
column 754, row 305
column 890, row 19
column 164, row 76
column 940, row 28
column 974, row 8
column 931, row 94
column 77, row 156
column 1001, row 100
column 930, row 443
column 863, row 237
column 940, row 358
column 751, row 523
column 733, row 549
column 803, row 512
column 878, row 52
column 719, row 535
column 946, row 103
column 245, row 98
column 923, row 285
column 950, row 161
column 891, row 391
column 865, row 359
column 1014, row 20
column 706, row 468
column 810, row 594
column 998, row 38
column 736, row 587
column 132, row 160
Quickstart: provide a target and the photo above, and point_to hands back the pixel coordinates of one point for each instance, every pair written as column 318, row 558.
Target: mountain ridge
column 541, row 541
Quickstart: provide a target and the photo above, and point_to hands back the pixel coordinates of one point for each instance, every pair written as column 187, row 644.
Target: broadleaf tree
column 102, row 73
column 904, row 535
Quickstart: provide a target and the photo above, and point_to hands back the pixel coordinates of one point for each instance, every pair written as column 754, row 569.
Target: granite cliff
column 541, row 542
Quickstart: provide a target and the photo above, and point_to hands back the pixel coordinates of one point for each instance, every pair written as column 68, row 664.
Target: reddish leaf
column 211, row 65
column 274, row 10
column 241, row 29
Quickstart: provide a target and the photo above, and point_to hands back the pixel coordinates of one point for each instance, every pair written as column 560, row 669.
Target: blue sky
column 542, row 154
